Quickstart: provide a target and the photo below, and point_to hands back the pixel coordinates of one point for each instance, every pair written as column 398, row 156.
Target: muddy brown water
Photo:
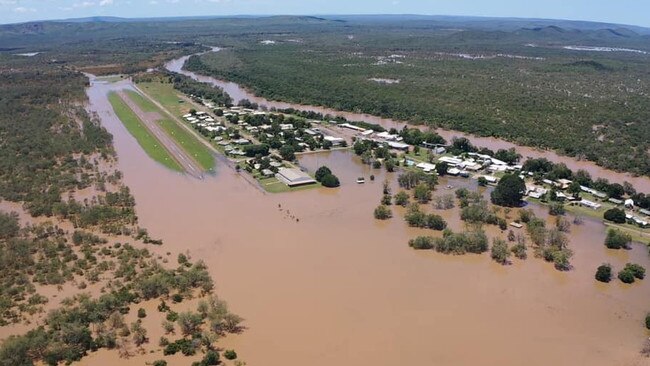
column 338, row 287
column 238, row 93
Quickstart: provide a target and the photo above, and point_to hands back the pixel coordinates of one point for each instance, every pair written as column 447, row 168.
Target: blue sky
column 636, row 12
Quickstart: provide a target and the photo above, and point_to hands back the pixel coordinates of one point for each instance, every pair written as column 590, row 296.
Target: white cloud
column 22, row 9
column 105, row 2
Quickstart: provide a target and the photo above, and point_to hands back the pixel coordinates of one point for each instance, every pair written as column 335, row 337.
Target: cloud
column 22, row 9
column 105, row 2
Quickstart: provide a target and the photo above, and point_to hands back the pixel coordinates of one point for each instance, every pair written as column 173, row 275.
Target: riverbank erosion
column 238, row 93
column 319, row 281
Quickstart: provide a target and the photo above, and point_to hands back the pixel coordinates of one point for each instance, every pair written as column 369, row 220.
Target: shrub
column 177, row 298
column 519, row 251
column 383, row 213
column 500, row 251
column 211, row 358
column 637, row 270
column 386, row 200
column 604, row 273
column 435, row 222
column 617, row 239
column 172, row 316
column 626, row 276
column 160, row 363
column 556, row 209
column 422, row 243
column 422, row 193
column 402, row 198
column 230, row 354
column 142, row 313
column 647, row 321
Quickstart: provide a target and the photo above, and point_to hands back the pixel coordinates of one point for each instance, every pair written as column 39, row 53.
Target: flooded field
column 238, row 93
column 320, row 282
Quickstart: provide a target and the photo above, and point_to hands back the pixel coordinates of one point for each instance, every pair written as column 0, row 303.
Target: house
column 267, row 173
column 516, row 225
column 387, row 136
column 426, row 167
column 450, row 161
column 564, row 183
column 367, row 133
column 336, row 141
column 453, row 171
column 491, row 179
column 398, row 145
column 645, row 212
column 294, row 177
column 590, row 204
column 629, row 203
column 615, row 201
column 241, row 141
column 352, row 127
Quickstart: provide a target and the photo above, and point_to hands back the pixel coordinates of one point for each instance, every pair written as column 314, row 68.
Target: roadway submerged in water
column 338, row 287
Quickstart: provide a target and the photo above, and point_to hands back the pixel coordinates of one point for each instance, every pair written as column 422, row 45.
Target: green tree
column 509, row 191
column 287, row 153
column 604, row 273
column 330, row 181
column 441, row 168
column 322, row 172
column 615, row 215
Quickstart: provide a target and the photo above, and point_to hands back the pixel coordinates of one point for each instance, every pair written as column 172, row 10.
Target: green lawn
column 166, row 95
column 136, row 128
column 188, row 141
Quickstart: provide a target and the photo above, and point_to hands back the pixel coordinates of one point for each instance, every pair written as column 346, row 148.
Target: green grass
column 166, row 95
column 188, row 141
column 137, row 129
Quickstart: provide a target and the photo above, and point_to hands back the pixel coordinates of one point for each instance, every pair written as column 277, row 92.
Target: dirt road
column 150, row 120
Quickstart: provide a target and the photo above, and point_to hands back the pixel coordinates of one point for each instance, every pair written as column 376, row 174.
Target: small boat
column 361, row 180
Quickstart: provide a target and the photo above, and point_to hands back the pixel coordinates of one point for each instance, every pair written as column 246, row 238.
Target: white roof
column 426, row 167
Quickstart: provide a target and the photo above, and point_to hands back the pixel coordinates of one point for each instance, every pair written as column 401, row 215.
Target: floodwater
column 238, row 93
column 320, row 282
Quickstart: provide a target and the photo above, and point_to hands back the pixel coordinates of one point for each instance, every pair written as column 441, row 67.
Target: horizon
column 23, row 11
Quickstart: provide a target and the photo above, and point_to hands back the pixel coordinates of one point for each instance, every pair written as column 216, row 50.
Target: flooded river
column 320, row 282
column 238, row 93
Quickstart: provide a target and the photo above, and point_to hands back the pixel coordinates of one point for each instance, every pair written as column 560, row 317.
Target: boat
column 361, row 180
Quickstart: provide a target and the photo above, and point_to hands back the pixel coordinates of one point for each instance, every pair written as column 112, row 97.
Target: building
column 450, row 161
column 336, row 141
column 397, row 145
column 590, row 204
column 294, row 177
column 453, row 171
column 426, row 167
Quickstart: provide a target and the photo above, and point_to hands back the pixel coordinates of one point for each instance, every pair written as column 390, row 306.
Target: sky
column 634, row 12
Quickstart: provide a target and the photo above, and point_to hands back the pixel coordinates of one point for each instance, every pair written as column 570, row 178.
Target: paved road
column 150, row 120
